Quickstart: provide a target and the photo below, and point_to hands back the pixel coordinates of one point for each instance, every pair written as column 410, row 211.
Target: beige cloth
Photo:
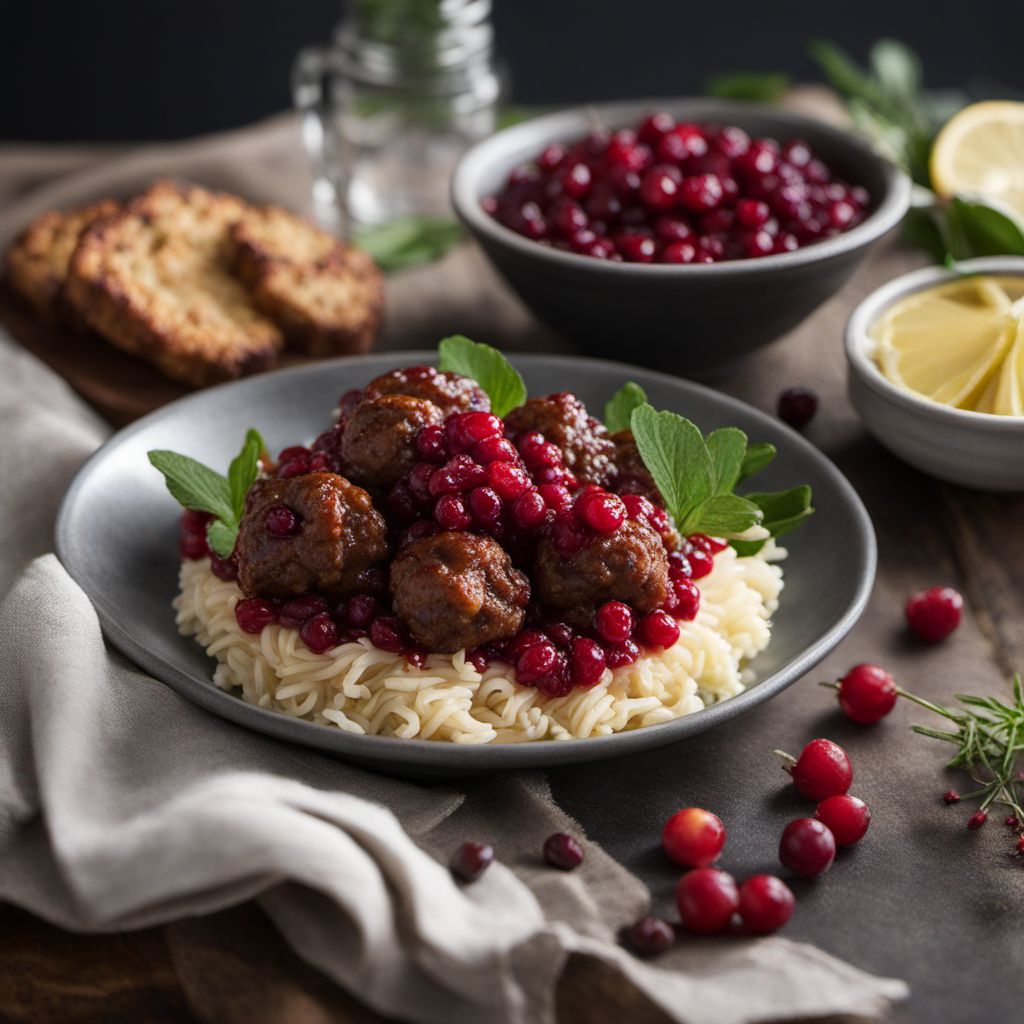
column 122, row 806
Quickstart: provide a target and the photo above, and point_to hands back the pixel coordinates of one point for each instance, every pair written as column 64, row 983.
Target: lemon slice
column 1008, row 395
column 981, row 150
column 947, row 342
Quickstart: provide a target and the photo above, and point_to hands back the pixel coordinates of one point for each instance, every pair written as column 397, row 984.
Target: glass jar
column 405, row 87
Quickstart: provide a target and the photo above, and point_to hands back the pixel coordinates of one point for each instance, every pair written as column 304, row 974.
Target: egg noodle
column 361, row 689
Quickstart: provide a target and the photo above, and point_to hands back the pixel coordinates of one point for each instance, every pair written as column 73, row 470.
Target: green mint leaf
column 897, row 70
column 620, row 406
column 194, row 485
column 488, row 367
column 763, row 86
column 757, row 457
column 725, row 515
column 727, row 448
column 243, row 471
column 409, row 241
column 676, row 456
column 783, row 512
column 983, row 229
column 222, row 537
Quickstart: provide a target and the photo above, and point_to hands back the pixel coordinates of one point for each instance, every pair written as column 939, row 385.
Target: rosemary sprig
column 989, row 736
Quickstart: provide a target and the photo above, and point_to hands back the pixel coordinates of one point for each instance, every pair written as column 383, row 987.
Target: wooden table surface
column 921, row 899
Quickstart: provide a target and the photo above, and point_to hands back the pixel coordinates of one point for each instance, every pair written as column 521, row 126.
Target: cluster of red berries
column 322, row 626
column 192, row 544
column 472, row 859
column 668, row 192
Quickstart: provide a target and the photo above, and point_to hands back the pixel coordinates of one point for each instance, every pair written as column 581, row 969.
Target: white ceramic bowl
column 969, row 448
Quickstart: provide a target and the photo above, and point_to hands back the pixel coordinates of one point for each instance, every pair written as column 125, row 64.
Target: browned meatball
column 378, row 445
column 450, row 392
column 628, row 565
column 315, row 532
column 632, row 476
column 562, row 418
column 457, row 590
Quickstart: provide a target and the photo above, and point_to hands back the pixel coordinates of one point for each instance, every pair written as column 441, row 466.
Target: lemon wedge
column 947, row 343
column 981, row 151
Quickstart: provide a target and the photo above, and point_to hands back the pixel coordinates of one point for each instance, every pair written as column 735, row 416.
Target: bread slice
column 326, row 296
column 155, row 279
column 37, row 260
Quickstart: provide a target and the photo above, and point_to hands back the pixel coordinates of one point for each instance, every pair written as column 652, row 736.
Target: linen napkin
column 123, row 806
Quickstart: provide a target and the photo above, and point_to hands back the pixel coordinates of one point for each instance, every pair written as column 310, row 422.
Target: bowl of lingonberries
column 681, row 234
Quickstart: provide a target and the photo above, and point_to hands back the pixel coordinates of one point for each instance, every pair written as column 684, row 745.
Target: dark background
column 125, row 69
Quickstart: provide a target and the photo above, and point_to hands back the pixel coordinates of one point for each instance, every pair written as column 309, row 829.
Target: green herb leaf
column 982, row 229
column 677, row 458
column 222, row 537
column 727, row 448
column 763, row 86
column 757, row 457
column 244, row 469
column 725, row 515
column 194, row 485
column 409, row 241
column 620, row 406
column 783, row 512
column 488, row 367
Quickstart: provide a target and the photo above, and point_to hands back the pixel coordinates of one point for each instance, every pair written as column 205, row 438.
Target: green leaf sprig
column 488, row 367
column 409, row 241
column 697, row 477
column 619, row 408
column 202, row 489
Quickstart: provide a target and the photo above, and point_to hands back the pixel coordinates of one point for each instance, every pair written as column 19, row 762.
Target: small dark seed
column 471, row 860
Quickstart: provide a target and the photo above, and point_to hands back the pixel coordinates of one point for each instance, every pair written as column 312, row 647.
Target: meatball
column 450, row 392
column 378, row 445
column 562, row 418
column 632, row 476
column 457, row 590
column 315, row 532
column 628, row 565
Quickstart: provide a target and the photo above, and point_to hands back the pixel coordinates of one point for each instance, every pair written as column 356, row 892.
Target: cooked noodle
column 364, row 690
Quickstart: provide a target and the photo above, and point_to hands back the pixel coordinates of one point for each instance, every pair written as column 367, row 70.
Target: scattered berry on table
column 1020, row 845
column 650, row 936
column 933, row 614
column 707, row 899
column 693, row 837
column 797, row 407
column 807, row 847
column 1012, row 821
column 766, row 903
column 846, row 816
column 867, row 693
column 822, row 769
column 562, row 851
column 951, row 796
column 977, row 819
column 471, row 860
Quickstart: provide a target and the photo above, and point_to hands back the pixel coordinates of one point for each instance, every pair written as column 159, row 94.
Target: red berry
column 701, row 192
column 614, row 622
column 296, row 611
column 687, row 597
column 707, row 899
column 562, row 851
column 650, row 936
column 576, row 181
column 766, row 903
column 636, row 248
column 797, row 407
column 934, row 614
column 386, row 633
column 701, row 563
column 693, row 837
column 556, row 497
column 977, row 819
column 752, row 213
column 601, row 511
column 430, row 444
column 464, row 429
column 658, row 629
column 528, row 510
column 846, row 816
column 867, row 693
column 535, row 662
column 450, row 513
column 659, row 187
column 823, row 769
column 619, row 655
column 1020, row 845
column 223, row 568
column 519, row 643
column 485, row 505
column 253, row 613
column 471, row 860
column 679, row 252
column 361, row 610
column 586, row 662
column 281, row 521
column 807, row 847
column 319, row 633
column 1011, row 821
column 494, row 449
column 951, row 796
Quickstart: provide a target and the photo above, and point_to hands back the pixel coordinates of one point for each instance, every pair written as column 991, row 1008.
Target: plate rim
column 383, row 751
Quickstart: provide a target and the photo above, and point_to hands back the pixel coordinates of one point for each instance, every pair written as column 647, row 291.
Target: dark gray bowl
column 692, row 318
column 117, row 536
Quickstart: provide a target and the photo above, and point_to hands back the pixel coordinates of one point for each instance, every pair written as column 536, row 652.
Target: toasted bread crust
column 155, row 280
column 327, row 297
column 37, row 260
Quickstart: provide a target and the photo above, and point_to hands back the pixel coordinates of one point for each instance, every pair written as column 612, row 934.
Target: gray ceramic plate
column 117, row 536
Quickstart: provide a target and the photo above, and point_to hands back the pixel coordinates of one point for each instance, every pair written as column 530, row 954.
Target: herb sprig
column 488, row 367
column 202, row 489
column 409, row 241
